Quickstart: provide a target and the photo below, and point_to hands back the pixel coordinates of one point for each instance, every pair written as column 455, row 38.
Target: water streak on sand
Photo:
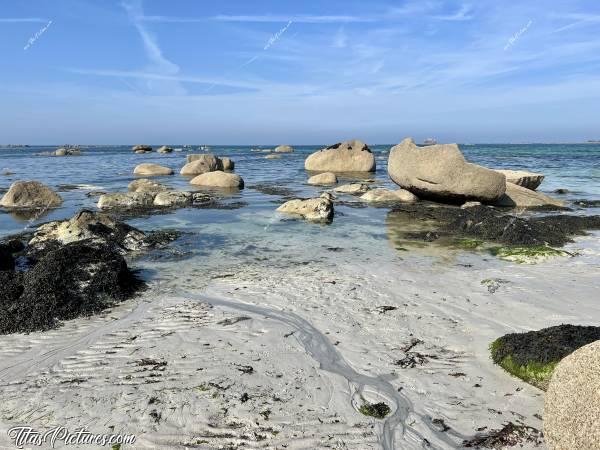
column 319, row 347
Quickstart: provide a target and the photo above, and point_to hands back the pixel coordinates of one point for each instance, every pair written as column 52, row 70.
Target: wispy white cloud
column 340, row 39
column 159, row 64
column 464, row 13
column 294, row 18
column 22, row 20
column 578, row 20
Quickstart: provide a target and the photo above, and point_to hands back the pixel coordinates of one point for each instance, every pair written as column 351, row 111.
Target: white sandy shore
column 271, row 357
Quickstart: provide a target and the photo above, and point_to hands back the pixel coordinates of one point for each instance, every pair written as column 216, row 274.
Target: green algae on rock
column 533, row 356
column 528, row 255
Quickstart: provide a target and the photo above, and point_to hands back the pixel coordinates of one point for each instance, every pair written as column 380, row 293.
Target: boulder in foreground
column 440, row 172
column 93, row 226
column 348, row 156
column 284, row 149
column 572, row 404
column 532, row 356
column 517, row 196
column 77, row 279
column 219, row 179
column 523, row 178
column 152, row 170
column 323, row 179
column 314, row 209
column 30, row 194
column 385, row 195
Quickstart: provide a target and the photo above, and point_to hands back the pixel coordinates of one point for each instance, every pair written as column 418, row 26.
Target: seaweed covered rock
column 141, row 148
column 492, row 225
column 348, row 156
column 90, row 225
column 7, row 249
column 313, row 209
column 572, row 404
column 440, row 172
column 532, row 356
column 77, row 279
column 30, row 194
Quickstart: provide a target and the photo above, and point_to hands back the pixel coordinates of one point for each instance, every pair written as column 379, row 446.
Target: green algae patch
column 467, row 244
column 377, row 410
column 528, row 255
column 533, row 356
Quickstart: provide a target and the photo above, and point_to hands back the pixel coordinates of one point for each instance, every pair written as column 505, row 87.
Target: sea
column 243, row 227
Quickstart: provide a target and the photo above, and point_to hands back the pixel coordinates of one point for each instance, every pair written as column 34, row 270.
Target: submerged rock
column 146, row 185
column 273, row 157
column 152, row 170
column 314, row 209
column 440, row 172
column 284, row 149
column 522, row 178
column 219, row 179
column 517, row 196
column 572, row 402
column 348, row 156
column 532, row 356
column 353, row 189
column 92, row 226
column 323, row 179
column 30, row 194
column 385, row 195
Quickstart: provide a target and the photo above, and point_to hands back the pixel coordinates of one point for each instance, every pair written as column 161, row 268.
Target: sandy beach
column 268, row 355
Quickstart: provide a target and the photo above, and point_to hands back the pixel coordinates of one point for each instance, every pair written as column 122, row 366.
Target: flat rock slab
column 518, row 196
column 149, row 169
column 523, row 178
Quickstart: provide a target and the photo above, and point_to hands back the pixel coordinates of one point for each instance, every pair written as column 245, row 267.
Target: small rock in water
column 353, row 189
column 323, row 179
column 314, row 209
column 148, row 169
column 30, row 194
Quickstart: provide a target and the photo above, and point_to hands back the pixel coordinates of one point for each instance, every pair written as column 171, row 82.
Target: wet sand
column 273, row 355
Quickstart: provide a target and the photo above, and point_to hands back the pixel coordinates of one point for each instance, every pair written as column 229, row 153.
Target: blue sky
column 251, row 72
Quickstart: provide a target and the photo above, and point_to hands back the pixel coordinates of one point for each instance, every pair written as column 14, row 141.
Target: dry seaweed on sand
column 509, row 435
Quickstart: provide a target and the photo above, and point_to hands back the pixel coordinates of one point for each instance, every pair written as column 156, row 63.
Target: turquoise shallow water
column 251, row 230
